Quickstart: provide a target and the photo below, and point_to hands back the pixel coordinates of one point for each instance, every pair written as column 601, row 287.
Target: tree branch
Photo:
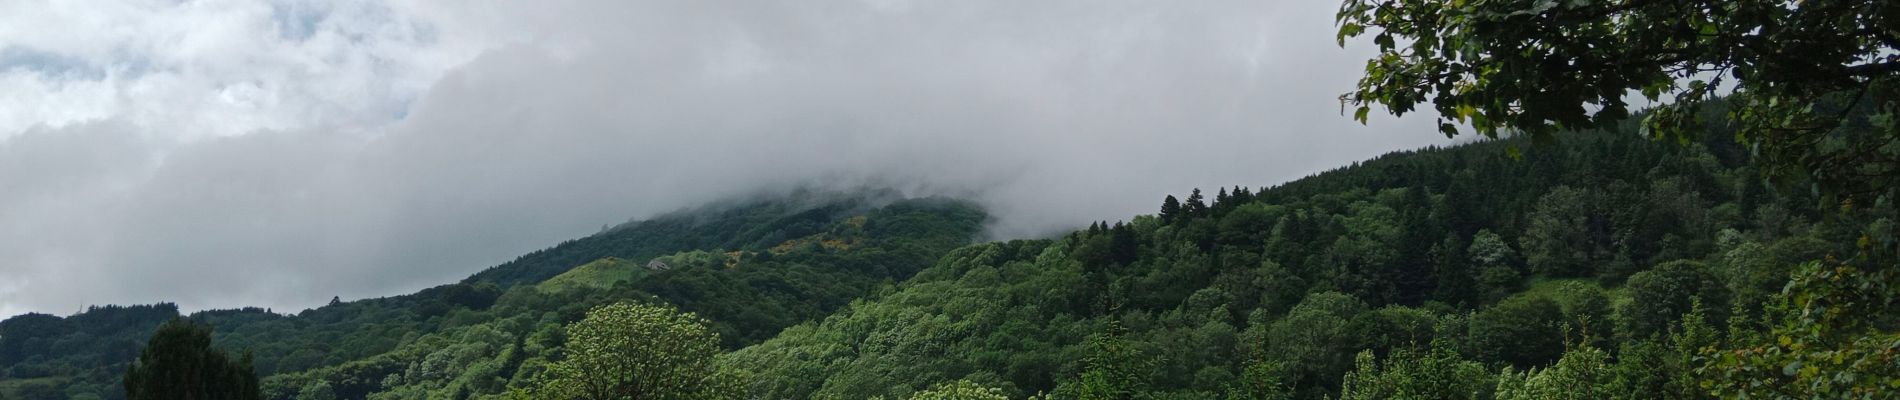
column 1874, row 69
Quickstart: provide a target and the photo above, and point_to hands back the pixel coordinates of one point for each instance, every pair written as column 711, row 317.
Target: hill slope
column 1604, row 261
column 1491, row 260
column 599, row 274
column 773, row 282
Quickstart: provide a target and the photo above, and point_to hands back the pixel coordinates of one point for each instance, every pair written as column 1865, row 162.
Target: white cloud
column 211, row 68
column 244, row 153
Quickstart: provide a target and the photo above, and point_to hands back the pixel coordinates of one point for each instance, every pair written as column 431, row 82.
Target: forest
column 1603, row 265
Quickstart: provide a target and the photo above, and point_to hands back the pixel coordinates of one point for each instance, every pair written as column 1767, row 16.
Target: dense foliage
column 81, row 356
column 632, row 351
column 1604, row 262
column 1813, row 86
column 180, row 364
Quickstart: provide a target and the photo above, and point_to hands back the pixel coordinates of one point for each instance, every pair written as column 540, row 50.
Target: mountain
column 1499, row 258
column 1599, row 266
column 1603, row 266
column 756, row 266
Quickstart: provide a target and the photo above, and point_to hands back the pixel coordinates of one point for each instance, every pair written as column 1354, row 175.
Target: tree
column 1456, row 283
column 1437, row 373
column 1524, row 331
column 1241, row 196
column 638, row 351
column 1170, row 209
column 1660, row 296
column 1123, row 246
column 1495, row 265
column 1115, row 369
column 1582, row 374
column 179, row 364
column 1195, row 206
column 1542, row 66
column 1413, row 277
column 1691, row 337
column 1317, row 339
column 1260, row 379
column 960, row 390
column 1821, row 342
column 319, row 390
column 1566, row 235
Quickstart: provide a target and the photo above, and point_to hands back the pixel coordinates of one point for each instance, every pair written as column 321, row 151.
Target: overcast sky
column 223, row 153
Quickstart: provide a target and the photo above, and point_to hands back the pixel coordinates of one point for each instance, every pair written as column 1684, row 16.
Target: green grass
column 23, row 388
column 601, row 273
column 1555, row 287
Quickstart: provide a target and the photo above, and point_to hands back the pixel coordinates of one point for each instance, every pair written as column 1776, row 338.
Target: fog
column 241, row 153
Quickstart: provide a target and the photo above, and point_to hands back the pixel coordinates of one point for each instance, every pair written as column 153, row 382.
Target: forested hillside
column 1605, row 266
column 755, row 266
column 1600, row 265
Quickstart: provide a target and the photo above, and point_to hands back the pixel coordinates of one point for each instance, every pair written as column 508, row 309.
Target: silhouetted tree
column 1170, row 209
column 180, row 364
column 1195, row 206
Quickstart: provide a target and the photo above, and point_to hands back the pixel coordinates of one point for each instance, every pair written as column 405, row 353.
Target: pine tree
column 1123, row 248
column 1195, row 207
column 1413, row 277
column 1455, row 281
column 1241, row 196
column 1170, row 209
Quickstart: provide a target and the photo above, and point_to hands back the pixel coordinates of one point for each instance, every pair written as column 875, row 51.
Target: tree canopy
column 179, row 363
column 638, row 352
column 1792, row 71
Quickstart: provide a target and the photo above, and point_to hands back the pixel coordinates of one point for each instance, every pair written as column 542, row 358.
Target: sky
column 228, row 153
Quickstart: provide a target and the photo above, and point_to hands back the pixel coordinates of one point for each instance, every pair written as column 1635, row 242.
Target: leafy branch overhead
column 1792, row 69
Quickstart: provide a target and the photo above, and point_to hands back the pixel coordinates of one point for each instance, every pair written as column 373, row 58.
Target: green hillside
column 1606, row 261
column 599, row 274
column 1601, row 266
column 772, row 286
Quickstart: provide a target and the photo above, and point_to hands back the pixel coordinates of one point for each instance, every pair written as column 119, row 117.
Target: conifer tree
column 1195, row 207
column 1170, row 209
column 1123, row 247
column 1241, row 196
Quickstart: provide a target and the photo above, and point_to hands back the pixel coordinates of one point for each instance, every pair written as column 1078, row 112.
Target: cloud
column 222, row 153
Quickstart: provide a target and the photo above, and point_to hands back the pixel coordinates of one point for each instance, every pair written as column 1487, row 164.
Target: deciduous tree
column 637, row 351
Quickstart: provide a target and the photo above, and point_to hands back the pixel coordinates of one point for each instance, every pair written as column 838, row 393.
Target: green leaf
column 1347, row 30
column 1361, row 114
